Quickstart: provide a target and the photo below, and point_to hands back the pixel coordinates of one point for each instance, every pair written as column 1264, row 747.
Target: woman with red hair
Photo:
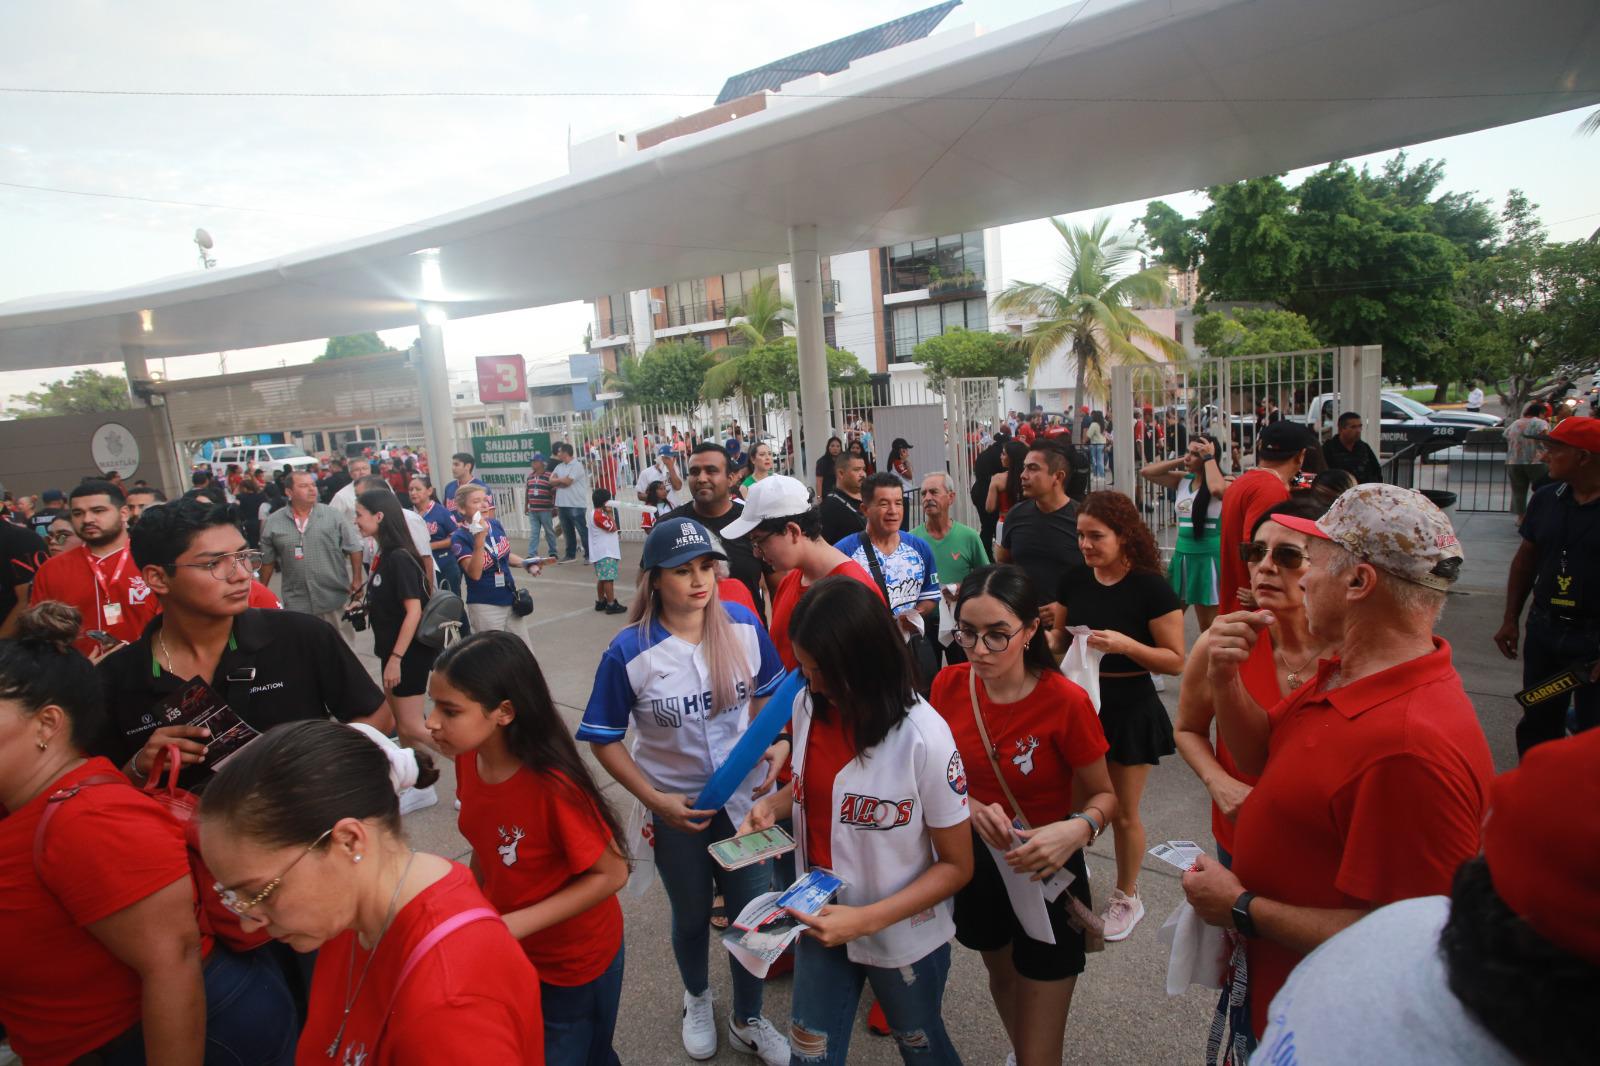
column 1136, row 622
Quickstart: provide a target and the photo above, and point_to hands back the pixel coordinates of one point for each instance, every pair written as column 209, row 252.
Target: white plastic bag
column 640, row 830
column 1198, row 952
column 1082, row 664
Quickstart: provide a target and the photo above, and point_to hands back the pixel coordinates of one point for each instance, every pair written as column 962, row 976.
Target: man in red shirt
column 98, row 578
column 1282, row 451
column 1375, row 777
column 786, row 532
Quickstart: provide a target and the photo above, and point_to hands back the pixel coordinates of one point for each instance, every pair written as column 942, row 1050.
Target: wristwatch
column 1241, row 914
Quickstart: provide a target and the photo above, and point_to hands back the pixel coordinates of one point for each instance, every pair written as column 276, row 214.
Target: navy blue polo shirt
column 483, row 589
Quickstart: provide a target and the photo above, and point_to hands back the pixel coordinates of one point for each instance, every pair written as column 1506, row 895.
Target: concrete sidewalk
column 1121, row 1012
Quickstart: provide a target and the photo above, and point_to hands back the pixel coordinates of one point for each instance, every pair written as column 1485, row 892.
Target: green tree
column 773, row 370
column 668, row 374
column 1090, row 311
column 757, row 318
column 964, row 353
column 356, row 344
column 84, row 392
column 1253, row 331
column 1366, row 258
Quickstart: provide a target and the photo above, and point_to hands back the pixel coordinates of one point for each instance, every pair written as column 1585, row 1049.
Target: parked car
column 1406, row 421
column 270, row 457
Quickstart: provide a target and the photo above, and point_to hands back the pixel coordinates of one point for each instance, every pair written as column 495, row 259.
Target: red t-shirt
column 531, row 835
column 732, row 590
column 474, row 997
column 1373, row 792
column 62, row 994
column 790, row 589
column 260, row 596
column 1037, row 741
column 603, row 521
column 108, row 592
column 1250, row 494
column 828, row 749
column 1260, row 676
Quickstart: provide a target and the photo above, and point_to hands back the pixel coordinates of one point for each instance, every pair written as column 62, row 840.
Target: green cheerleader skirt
column 1193, row 572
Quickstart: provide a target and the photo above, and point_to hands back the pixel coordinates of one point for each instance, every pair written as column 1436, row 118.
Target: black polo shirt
column 841, row 516
column 1044, row 545
column 303, row 670
column 1358, row 462
column 1566, row 535
column 742, row 562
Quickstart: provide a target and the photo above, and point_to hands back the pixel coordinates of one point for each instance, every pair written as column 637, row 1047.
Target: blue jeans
column 545, row 520
column 827, row 990
column 1097, row 459
column 687, row 873
column 579, row 1020
column 250, row 1016
column 574, row 527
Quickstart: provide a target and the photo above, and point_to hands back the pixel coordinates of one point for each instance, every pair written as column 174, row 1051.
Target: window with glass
column 918, row 264
column 910, row 326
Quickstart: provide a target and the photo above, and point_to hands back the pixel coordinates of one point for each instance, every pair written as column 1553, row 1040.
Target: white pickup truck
column 1404, row 421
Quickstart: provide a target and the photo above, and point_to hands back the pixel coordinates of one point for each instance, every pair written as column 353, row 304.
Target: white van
column 268, row 457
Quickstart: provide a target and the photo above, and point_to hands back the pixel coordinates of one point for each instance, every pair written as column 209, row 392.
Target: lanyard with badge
column 110, row 609
column 1566, row 603
column 300, row 549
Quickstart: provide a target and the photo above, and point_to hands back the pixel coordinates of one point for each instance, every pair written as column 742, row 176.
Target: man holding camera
column 317, row 549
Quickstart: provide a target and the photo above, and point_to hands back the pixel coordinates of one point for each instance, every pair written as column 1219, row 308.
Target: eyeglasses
column 1286, row 556
column 223, row 566
column 993, row 639
column 59, row 536
column 240, row 906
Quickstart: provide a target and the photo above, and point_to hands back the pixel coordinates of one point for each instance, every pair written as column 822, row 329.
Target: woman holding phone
column 689, row 673
column 870, row 754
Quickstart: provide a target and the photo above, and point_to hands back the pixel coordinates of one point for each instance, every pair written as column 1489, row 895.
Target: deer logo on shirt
column 1023, row 759
column 355, row 1056
column 508, row 844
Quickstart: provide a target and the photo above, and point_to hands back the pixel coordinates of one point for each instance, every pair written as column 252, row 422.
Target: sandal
column 719, row 913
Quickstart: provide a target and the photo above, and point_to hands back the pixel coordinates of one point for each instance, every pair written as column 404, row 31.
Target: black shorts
column 986, row 922
column 415, row 666
column 1135, row 721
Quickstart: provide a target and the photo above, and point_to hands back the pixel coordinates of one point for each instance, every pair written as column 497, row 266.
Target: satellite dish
column 202, row 238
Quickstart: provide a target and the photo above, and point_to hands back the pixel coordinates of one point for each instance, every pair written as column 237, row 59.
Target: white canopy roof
column 1094, row 104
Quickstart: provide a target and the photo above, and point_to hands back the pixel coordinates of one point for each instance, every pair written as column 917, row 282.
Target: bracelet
column 787, row 738
column 1094, row 826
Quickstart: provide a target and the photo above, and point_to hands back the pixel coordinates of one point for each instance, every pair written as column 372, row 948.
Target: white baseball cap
column 774, row 496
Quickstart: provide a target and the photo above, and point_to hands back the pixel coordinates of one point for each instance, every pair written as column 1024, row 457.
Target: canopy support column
column 433, row 384
column 806, row 267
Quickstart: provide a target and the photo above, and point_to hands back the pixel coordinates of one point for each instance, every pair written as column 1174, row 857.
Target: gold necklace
column 1294, row 674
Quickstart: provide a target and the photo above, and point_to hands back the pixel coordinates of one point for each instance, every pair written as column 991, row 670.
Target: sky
column 268, row 176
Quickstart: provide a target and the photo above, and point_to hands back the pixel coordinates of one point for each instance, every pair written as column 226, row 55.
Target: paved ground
column 1121, row 1012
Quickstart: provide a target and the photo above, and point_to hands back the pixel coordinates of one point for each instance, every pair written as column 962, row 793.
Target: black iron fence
column 1467, row 473
column 689, row 314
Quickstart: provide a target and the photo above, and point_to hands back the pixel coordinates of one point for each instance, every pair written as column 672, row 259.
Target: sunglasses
column 1285, row 556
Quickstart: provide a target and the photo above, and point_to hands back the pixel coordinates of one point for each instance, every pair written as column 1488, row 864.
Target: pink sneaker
column 1122, row 914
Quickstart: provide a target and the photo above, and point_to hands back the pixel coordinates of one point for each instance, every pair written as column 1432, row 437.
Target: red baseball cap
column 1575, row 431
column 1542, row 842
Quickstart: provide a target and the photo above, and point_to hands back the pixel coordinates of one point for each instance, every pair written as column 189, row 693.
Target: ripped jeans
column 827, row 990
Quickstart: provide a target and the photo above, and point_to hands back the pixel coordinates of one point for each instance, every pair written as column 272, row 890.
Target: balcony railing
column 688, row 314
column 830, row 296
column 956, row 285
column 613, row 327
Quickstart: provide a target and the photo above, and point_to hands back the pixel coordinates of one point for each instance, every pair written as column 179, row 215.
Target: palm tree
column 755, row 320
column 1091, row 310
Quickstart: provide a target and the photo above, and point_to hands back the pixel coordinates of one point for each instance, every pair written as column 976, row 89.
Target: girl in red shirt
column 1042, row 734
column 106, row 959
column 1284, row 658
column 545, row 843
column 301, row 829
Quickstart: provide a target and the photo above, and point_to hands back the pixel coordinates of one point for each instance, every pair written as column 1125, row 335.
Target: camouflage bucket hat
column 1397, row 530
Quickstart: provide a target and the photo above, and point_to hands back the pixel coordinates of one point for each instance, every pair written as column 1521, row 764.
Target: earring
column 43, row 744
column 355, row 858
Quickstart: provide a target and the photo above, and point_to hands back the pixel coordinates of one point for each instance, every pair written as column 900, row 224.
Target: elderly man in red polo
column 1374, row 775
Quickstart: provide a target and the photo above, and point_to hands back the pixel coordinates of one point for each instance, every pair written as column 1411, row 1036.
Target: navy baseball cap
column 675, row 541
column 53, row 495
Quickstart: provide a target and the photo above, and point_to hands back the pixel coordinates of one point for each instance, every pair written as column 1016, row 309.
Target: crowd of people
column 203, row 850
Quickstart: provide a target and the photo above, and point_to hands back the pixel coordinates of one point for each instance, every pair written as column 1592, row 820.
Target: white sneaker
column 1122, row 914
column 416, row 799
column 761, row 1039
column 699, row 1027
column 1011, row 1058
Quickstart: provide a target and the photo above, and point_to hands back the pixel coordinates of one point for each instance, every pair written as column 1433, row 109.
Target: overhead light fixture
column 434, row 315
column 147, row 320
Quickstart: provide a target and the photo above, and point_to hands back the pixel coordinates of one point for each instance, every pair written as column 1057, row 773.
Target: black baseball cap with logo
column 1284, row 440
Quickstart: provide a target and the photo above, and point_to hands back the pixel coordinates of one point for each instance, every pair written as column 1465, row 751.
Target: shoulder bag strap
column 53, row 804
column 988, row 749
column 425, row 945
column 877, row 570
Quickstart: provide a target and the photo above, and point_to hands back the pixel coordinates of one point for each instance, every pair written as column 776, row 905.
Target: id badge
column 499, row 580
column 113, row 613
column 1564, row 597
column 299, row 552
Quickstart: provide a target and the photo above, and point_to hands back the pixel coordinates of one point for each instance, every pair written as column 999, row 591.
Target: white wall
column 853, row 324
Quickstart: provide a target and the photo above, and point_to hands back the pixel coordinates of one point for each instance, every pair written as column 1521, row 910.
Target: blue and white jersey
column 663, row 685
column 909, row 570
